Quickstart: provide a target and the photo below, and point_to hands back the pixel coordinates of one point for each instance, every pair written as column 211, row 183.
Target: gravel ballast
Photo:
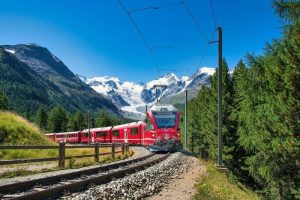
column 140, row 184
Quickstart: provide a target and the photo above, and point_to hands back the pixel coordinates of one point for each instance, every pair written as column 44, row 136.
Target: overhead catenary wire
column 154, row 7
column 140, row 33
column 213, row 14
column 194, row 20
column 167, row 69
column 212, row 35
column 174, row 46
column 204, row 51
column 151, row 48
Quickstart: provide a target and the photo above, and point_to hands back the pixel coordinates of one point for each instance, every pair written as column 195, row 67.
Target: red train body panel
column 100, row 135
column 68, row 137
column 160, row 131
column 131, row 133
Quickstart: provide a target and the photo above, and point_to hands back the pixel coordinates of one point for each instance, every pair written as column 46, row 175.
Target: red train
column 160, row 131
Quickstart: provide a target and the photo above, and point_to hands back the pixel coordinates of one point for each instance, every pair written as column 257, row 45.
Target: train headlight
column 153, row 135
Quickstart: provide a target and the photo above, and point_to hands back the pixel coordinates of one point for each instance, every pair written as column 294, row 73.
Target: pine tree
column 72, row 124
column 103, row 119
column 3, row 101
column 41, row 118
column 270, row 114
column 288, row 10
column 57, row 121
column 80, row 121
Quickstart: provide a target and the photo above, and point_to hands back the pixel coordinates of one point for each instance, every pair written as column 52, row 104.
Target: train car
column 68, row 137
column 159, row 132
column 163, row 133
column 100, row 135
column 51, row 136
column 129, row 133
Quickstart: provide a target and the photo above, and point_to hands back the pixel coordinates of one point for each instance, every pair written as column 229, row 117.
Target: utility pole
column 220, row 111
column 89, row 125
column 146, row 109
column 160, row 86
column 185, row 121
column 156, row 95
column 146, row 120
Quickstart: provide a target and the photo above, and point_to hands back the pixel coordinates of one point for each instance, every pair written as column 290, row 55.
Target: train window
column 116, row 133
column 134, row 131
column 165, row 120
column 86, row 135
column 149, row 124
column 101, row 134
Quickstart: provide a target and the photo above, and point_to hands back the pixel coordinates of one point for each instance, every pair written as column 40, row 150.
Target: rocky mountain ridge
column 132, row 97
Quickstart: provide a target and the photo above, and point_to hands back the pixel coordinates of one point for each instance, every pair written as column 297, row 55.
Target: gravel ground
column 138, row 152
column 138, row 185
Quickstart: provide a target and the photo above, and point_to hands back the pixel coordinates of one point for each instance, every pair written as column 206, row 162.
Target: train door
column 92, row 137
column 125, row 135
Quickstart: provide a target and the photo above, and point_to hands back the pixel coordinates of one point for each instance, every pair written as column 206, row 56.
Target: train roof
column 163, row 107
column 72, row 132
column 133, row 124
column 98, row 129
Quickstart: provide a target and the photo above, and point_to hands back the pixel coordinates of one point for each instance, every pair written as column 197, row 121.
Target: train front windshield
column 165, row 119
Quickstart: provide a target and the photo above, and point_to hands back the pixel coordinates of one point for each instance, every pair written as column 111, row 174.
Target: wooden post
column 123, row 148
column 97, row 152
column 61, row 158
column 113, row 150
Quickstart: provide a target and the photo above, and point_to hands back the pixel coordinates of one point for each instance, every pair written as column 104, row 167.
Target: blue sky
column 97, row 38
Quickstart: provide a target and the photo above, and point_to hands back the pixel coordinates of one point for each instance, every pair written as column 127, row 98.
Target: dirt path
column 182, row 188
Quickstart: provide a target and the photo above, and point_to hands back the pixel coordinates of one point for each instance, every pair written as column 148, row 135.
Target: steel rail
column 77, row 185
column 19, row 186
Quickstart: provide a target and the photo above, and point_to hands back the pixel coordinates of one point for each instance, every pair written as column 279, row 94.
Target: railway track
column 58, row 185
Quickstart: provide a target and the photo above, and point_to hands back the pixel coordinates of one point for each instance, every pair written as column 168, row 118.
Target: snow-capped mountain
column 132, row 97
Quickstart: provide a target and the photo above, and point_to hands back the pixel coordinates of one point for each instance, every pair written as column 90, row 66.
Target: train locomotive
column 163, row 127
column 159, row 132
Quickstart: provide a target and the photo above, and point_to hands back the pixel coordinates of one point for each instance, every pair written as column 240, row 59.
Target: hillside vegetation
column 15, row 130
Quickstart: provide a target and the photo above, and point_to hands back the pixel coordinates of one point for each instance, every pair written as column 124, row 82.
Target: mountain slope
column 31, row 76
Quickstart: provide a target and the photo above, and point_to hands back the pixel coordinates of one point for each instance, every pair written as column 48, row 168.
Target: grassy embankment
column 216, row 185
column 15, row 130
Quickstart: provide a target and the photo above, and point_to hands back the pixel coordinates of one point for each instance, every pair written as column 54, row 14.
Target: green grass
column 22, row 172
column 70, row 164
column 216, row 185
column 15, row 130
